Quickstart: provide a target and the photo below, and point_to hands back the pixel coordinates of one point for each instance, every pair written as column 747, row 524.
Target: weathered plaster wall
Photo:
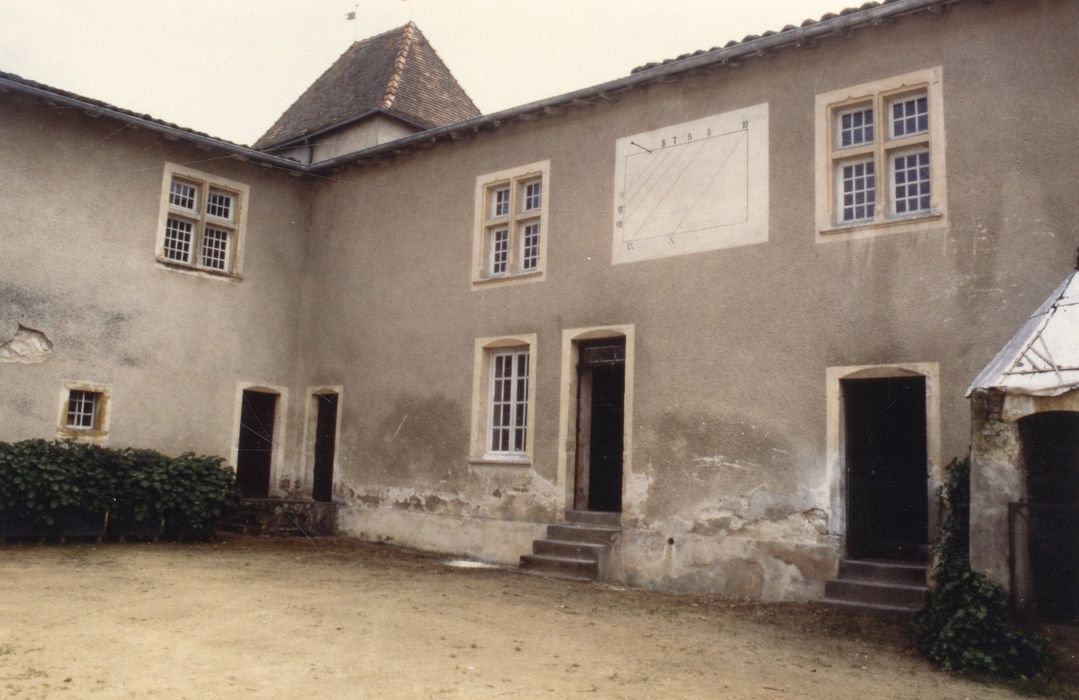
column 355, row 137
column 732, row 346
column 79, row 200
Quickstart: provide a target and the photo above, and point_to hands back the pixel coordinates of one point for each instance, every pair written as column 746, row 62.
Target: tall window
column 507, row 429
column 882, row 155
column 202, row 222
column 503, row 404
column 510, row 236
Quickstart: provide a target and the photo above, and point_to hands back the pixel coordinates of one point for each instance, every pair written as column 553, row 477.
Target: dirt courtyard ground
column 250, row 617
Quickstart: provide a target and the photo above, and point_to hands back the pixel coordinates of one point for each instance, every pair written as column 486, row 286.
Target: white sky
column 231, row 67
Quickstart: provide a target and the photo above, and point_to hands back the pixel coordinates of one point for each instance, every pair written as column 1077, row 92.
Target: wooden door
column 255, row 448
column 325, row 445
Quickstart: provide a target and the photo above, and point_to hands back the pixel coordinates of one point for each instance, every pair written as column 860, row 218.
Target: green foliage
column 966, row 626
column 42, row 481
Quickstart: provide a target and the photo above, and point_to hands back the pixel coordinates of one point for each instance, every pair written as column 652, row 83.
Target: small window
column 501, row 198
column 202, row 222
column 855, row 127
column 910, row 177
column 910, row 116
column 84, row 411
column 858, row 190
column 510, row 236
column 500, row 251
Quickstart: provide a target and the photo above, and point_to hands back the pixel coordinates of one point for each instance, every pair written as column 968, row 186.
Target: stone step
column 582, row 533
column 560, row 567
column 883, row 571
column 871, row 608
column 594, row 517
column 874, row 593
column 570, row 550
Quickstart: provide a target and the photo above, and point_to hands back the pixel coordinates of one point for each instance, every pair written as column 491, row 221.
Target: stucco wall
column 79, row 204
column 733, row 345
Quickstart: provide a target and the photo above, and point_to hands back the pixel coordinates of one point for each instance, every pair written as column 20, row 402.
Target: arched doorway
column 1051, row 453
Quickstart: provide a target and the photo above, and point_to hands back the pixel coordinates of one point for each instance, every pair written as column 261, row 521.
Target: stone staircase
column 878, row 586
column 282, row 518
column 576, row 549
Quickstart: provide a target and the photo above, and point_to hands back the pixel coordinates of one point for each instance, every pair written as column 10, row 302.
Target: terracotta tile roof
column 752, row 37
column 396, row 72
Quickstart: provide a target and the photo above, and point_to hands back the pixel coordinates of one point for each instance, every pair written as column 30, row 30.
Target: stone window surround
column 486, row 222
column 99, row 433
column 481, row 398
column 237, row 226
column 879, row 94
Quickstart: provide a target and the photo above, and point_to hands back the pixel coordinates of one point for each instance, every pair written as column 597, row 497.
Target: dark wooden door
column 255, row 448
column 1051, row 455
column 887, row 468
column 325, row 444
column 600, row 426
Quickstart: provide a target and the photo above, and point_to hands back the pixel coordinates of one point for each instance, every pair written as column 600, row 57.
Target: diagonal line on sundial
column 654, row 165
column 689, row 210
column 673, row 182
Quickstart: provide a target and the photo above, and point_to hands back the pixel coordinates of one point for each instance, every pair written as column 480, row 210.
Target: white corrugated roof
column 1042, row 359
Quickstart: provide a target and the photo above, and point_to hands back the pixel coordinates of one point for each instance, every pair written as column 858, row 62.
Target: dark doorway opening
column 886, row 460
column 1051, row 452
column 255, row 449
column 601, row 390
column 325, row 444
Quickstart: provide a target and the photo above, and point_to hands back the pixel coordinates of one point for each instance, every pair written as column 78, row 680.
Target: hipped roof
column 1042, row 359
column 396, row 73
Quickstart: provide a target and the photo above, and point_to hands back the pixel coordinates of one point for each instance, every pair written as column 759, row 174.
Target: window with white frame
column 507, row 426
column 880, row 155
column 510, row 233
column 502, row 400
column 83, row 410
column 202, row 220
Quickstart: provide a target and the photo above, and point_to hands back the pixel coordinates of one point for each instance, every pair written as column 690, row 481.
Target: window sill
column 494, row 281
column 77, row 434
column 500, row 461
column 857, row 226
column 198, row 271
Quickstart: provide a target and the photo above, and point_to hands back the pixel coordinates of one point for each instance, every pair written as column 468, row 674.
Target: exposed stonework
column 27, row 346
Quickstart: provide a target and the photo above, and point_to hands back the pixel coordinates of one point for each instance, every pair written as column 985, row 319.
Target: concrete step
column 560, row 567
column 569, row 550
column 582, row 533
column 594, row 517
column 871, row 608
column 874, row 593
column 883, row 571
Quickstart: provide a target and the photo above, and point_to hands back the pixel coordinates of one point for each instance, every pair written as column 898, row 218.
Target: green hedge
column 966, row 626
column 43, row 482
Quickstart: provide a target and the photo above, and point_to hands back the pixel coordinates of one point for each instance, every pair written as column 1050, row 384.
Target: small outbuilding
column 1024, row 509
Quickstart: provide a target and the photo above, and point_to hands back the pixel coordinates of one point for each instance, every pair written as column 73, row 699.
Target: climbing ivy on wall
column 966, row 626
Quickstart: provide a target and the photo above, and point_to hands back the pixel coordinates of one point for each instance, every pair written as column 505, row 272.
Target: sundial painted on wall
column 692, row 187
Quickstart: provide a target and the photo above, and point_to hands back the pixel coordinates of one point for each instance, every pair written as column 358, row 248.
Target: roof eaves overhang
column 731, row 55
column 168, row 131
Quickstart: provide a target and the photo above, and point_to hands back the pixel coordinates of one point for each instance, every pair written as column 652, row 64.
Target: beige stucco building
column 734, row 298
